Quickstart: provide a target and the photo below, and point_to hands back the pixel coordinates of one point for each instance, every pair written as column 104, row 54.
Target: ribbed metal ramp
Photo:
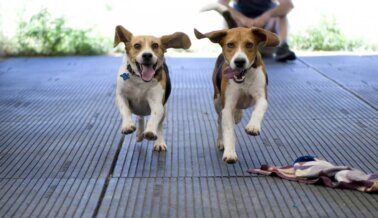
column 62, row 154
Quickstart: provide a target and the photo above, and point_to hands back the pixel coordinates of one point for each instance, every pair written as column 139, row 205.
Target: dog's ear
column 215, row 36
column 270, row 39
column 176, row 40
column 121, row 35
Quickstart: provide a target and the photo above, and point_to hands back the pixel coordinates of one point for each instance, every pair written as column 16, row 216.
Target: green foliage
column 43, row 35
column 7, row 46
column 324, row 37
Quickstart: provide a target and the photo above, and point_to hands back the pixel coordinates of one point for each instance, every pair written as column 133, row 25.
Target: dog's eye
column 137, row 46
column 155, row 45
column 230, row 45
column 249, row 45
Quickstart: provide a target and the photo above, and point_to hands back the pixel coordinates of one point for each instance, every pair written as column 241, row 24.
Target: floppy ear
column 270, row 39
column 176, row 40
column 121, row 35
column 215, row 36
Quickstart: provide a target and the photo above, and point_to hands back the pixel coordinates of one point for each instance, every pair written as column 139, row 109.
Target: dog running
column 240, row 81
column 143, row 83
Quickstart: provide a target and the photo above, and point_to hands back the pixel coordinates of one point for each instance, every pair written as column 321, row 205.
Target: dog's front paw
column 149, row 135
column 253, row 130
column 160, row 147
column 127, row 129
column 230, row 157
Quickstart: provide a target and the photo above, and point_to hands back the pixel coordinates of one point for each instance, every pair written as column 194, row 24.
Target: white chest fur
column 138, row 93
column 247, row 92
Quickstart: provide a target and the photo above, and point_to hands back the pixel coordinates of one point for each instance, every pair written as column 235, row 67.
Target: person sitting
column 267, row 14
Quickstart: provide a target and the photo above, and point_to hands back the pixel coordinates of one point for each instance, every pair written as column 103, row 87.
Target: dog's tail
column 222, row 10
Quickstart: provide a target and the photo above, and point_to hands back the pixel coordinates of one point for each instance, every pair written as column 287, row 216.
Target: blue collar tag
column 125, row 76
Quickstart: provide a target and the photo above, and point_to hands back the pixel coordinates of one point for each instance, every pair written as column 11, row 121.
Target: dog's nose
column 147, row 56
column 239, row 62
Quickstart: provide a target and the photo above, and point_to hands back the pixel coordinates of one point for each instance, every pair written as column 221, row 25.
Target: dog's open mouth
column 240, row 78
column 147, row 71
column 237, row 74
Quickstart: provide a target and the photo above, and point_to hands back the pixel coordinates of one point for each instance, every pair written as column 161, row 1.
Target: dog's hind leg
column 218, row 108
column 140, row 128
column 220, row 135
column 238, row 115
column 160, row 142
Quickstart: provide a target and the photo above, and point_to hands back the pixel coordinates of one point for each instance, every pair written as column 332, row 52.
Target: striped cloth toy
column 312, row 170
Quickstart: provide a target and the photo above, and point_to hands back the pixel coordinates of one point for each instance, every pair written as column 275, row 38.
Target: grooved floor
column 62, row 154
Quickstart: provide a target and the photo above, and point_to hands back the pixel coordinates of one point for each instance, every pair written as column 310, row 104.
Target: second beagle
column 240, row 81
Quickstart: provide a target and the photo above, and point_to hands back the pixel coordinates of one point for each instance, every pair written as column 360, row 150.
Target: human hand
column 261, row 21
column 250, row 22
column 246, row 22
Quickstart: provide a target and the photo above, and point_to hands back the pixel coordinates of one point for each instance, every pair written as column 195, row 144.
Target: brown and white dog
column 240, row 81
column 143, row 84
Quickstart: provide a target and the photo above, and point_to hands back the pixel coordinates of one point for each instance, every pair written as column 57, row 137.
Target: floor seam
column 187, row 177
column 338, row 84
column 109, row 177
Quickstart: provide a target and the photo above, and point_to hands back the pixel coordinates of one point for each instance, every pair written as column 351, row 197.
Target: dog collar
column 130, row 69
column 125, row 76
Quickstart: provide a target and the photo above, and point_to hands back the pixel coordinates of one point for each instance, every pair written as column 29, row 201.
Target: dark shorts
column 253, row 8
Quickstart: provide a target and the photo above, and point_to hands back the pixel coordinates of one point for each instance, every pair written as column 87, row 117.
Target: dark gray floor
column 62, row 154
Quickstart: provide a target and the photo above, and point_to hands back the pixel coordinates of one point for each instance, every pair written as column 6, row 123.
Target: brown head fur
column 247, row 39
column 134, row 45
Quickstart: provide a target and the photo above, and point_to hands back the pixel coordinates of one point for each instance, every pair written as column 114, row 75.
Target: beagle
column 143, row 84
column 240, row 81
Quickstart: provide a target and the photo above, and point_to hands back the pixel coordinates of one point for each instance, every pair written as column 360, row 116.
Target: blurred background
column 53, row 27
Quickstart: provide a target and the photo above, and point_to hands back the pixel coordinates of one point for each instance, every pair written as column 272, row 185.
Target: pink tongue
column 147, row 72
column 230, row 73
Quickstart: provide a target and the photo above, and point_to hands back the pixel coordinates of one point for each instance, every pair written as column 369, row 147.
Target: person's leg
column 283, row 52
column 271, row 25
column 279, row 26
column 282, row 26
